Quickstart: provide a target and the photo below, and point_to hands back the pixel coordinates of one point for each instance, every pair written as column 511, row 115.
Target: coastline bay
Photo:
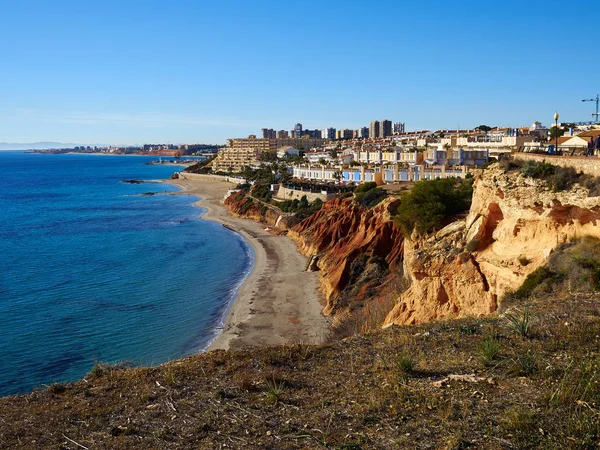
column 91, row 270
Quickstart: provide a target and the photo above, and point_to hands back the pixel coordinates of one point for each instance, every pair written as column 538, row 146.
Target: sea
column 93, row 269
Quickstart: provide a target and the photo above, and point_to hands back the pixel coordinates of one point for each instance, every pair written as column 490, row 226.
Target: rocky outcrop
column 350, row 240
column 359, row 250
column 512, row 226
column 462, row 270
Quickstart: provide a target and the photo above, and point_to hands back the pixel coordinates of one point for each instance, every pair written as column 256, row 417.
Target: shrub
column 57, row 388
column 532, row 281
column 558, row 178
column 289, row 205
column 592, row 184
column 357, row 267
column 523, row 260
column 262, row 192
column 520, row 323
column 468, row 329
column 575, row 266
column 524, row 365
column 370, row 198
column 534, row 169
column 365, row 187
column 301, row 208
column 224, row 393
column 99, row 370
column 247, row 205
column 274, row 390
column 579, row 263
column 563, row 178
column 303, row 203
column 489, row 350
column 406, row 364
column 487, row 164
column 509, row 164
column 431, row 201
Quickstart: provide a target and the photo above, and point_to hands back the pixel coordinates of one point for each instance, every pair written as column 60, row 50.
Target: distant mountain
column 36, row 145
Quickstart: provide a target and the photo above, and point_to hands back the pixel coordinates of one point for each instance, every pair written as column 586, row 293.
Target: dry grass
column 390, row 389
column 395, row 388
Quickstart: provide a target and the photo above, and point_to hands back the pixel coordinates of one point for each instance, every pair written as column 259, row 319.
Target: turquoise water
column 90, row 270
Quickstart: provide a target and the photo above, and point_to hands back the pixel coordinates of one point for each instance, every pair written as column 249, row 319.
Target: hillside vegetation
column 430, row 202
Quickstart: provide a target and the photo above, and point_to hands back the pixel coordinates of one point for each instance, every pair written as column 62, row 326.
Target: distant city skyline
column 191, row 72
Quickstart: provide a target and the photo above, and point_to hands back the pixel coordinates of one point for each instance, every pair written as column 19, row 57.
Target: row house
column 392, row 155
column 456, row 157
column 315, row 155
column 378, row 174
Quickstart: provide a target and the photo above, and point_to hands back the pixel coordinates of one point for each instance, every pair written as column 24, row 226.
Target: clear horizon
column 197, row 72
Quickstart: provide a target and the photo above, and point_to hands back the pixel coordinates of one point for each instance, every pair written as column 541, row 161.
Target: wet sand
column 279, row 302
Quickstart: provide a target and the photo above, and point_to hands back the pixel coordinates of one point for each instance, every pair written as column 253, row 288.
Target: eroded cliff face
column 241, row 205
column 462, row 270
column 352, row 243
column 512, row 226
column 360, row 250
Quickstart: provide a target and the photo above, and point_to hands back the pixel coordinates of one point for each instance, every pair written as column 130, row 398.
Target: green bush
column 262, row 192
column 247, row 205
column 370, row 198
column 524, row 365
column 520, row 322
column 579, row 264
column 309, row 209
column 489, row 350
column 365, row 187
column 534, row 169
column 558, row 178
column 303, row 202
column 508, row 164
column 301, row 208
column 288, row 205
column 573, row 267
column 532, row 281
column 430, row 201
column 406, row 364
column 563, row 178
column 592, row 184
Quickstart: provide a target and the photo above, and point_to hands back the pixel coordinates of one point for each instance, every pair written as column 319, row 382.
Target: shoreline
column 278, row 302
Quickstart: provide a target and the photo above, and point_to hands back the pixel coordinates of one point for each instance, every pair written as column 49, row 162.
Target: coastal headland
column 279, row 302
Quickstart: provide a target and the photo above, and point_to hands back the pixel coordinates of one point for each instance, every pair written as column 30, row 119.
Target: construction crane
column 597, row 99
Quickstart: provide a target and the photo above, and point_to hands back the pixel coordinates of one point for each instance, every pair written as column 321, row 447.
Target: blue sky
column 125, row 72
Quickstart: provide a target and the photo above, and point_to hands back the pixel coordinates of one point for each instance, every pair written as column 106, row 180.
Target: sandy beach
column 279, row 302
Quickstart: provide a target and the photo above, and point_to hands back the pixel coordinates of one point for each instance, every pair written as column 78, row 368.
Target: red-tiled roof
column 589, row 133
